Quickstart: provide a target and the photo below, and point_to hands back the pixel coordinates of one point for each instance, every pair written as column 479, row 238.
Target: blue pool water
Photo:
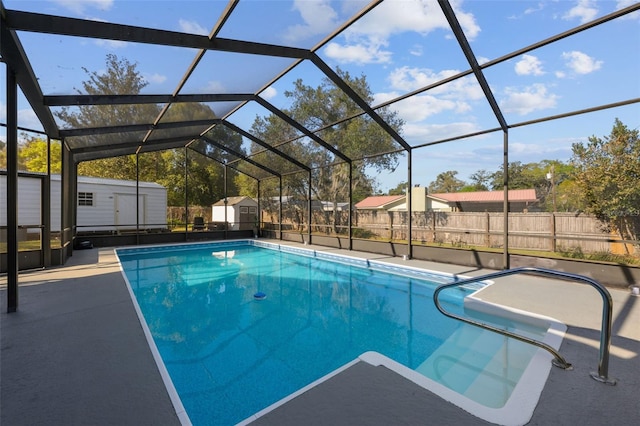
column 230, row 355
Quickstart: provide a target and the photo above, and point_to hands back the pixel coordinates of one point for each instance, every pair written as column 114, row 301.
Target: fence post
column 553, row 232
column 433, row 224
column 488, row 230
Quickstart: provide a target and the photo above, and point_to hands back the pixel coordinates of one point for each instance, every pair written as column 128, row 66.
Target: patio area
column 75, row 353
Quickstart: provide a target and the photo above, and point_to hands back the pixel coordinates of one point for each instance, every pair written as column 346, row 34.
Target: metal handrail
column 605, row 335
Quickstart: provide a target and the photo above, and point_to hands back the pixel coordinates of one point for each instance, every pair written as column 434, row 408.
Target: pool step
column 479, row 364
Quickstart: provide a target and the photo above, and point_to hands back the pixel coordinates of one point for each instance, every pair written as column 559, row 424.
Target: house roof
column 378, row 201
column 515, row 195
column 232, row 201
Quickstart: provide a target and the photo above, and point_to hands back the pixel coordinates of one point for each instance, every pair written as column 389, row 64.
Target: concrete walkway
column 75, row 354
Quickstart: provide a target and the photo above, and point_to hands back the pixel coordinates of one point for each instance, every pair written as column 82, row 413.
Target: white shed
column 102, row 204
column 242, row 212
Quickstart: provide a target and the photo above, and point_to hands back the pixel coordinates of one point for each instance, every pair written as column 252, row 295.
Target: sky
column 400, row 46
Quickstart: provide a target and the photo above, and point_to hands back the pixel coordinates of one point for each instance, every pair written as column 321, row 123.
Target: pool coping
column 182, row 414
column 519, row 407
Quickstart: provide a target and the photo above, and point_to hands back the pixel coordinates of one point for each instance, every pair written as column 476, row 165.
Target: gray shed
column 241, row 212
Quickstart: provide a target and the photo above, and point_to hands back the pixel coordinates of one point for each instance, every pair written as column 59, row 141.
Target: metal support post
column 12, row 191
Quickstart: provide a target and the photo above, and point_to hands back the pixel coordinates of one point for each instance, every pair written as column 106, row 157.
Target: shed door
column 126, row 210
column 247, row 217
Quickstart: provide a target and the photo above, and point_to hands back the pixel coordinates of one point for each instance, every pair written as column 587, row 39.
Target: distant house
column 520, row 200
column 381, row 202
column 241, row 212
column 396, row 202
column 328, row 206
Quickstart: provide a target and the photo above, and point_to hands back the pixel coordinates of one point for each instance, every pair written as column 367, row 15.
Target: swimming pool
column 230, row 355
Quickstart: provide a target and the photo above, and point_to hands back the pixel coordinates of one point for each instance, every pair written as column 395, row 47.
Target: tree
column 360, row 138
column 479, row 181
column 555, row 187
column 120, row 78
column 400, row 189
column 205, row 175
column 3, row 155
column 608, row 175
column 33, row 154
column 446, row 182
column 520, row 176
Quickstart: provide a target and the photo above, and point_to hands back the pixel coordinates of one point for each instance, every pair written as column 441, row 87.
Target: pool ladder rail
column 605, row 333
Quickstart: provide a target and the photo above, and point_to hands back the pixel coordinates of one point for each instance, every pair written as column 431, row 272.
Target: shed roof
column 232, row 201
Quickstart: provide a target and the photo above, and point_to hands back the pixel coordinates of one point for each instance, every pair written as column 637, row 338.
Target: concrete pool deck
column 75, row 354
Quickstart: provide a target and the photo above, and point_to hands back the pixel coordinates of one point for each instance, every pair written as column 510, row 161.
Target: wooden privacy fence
column 528, row 231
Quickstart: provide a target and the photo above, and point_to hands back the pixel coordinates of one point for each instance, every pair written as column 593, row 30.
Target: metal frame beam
column 264, row 144
column 16, row 59
column 178, row 141
column 333, row 76
column 52, row 24
column 239, row 155
column 222, row 163
column 302, row 129
column 79, row 100
column 473, row 62
column 90, row 131
column 12, row 190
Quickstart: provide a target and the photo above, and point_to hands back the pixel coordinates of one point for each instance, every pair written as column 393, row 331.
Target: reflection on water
column 230, row 355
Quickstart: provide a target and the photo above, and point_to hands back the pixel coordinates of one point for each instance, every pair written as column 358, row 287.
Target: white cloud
column 482, row 59
column 417, row 108
column 551, row 148
column 455, row 97
column 535, row 9
column 155, row 78
column 394, row 17
column 533, row 98
column 407, row 79
column 580, row 62
column 79, row 6
column 528, row 11
column 111, row 44
column 422, row 133
column 358, row 53
column 192, row 27
column 529, row 65
column 26, row 118
column 584, row 10
column 397, row 16
column 269, row 93
column 318, row 18
column 467, row 21
column 214, row 86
